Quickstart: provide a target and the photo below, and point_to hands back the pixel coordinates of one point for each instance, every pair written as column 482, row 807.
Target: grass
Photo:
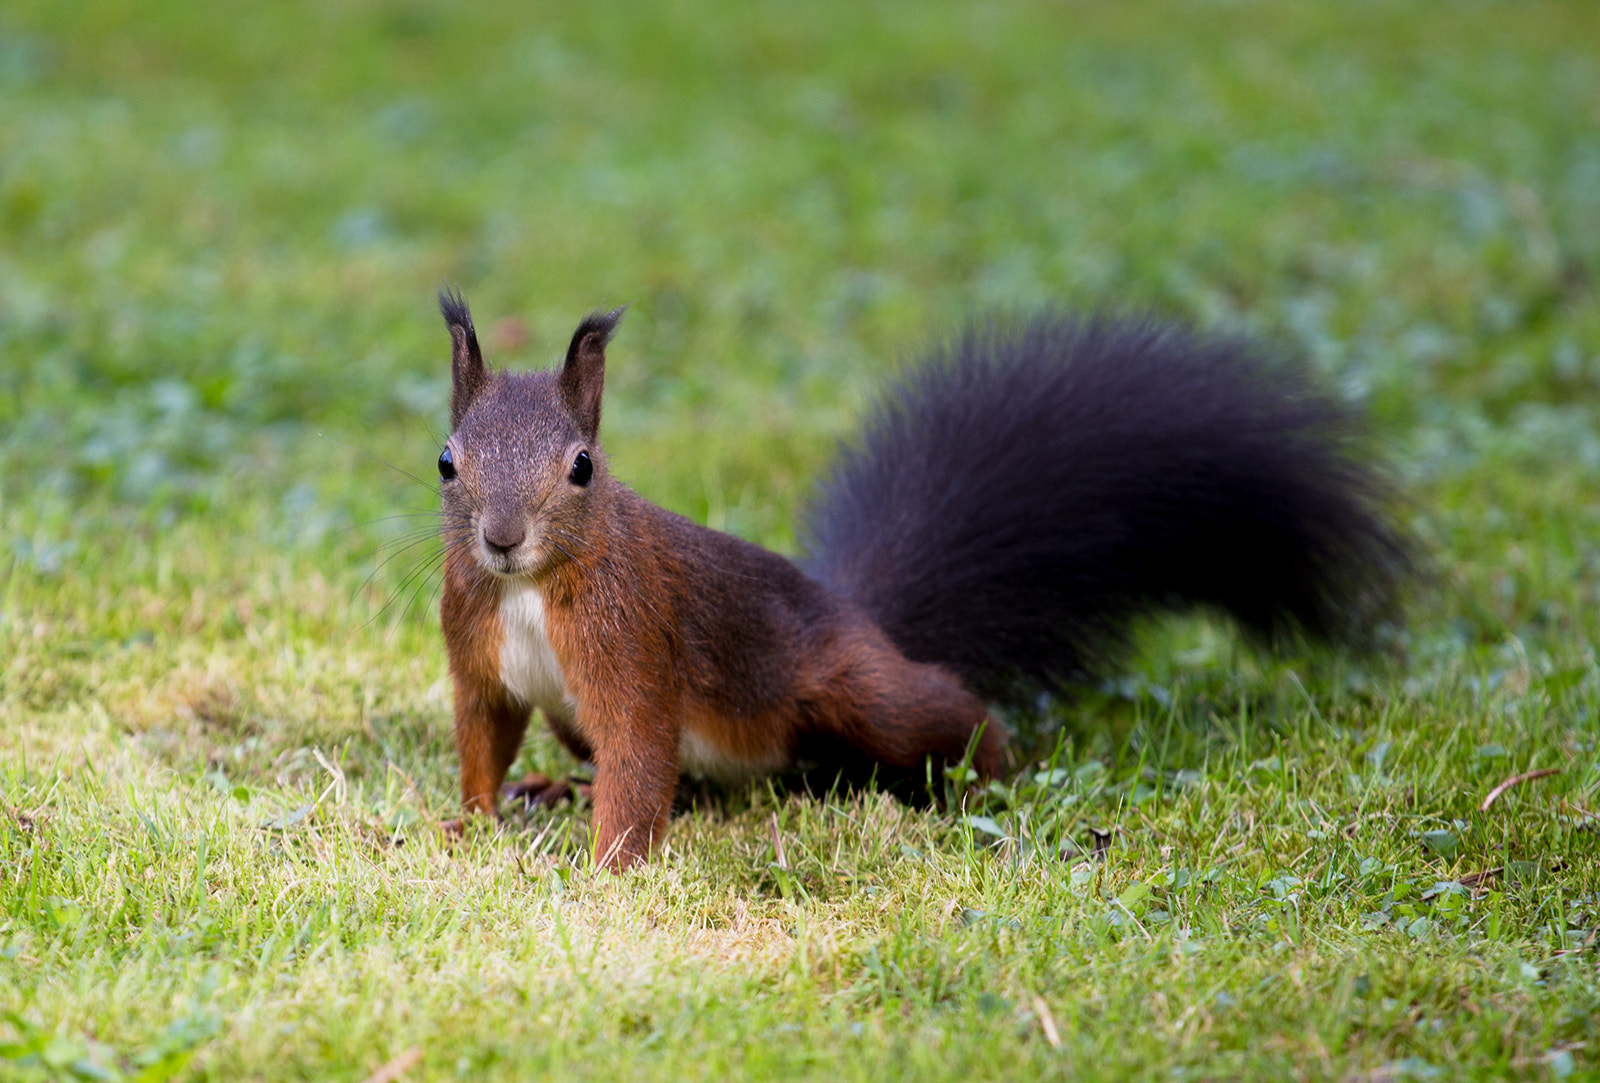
column 223, row 710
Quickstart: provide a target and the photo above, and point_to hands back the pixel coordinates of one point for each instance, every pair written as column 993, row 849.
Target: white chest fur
column 528, row 667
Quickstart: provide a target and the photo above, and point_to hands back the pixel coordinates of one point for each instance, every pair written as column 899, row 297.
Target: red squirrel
column 1013, row 504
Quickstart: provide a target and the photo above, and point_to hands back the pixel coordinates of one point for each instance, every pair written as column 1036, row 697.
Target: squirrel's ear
column 468, row 374
column 583, row 377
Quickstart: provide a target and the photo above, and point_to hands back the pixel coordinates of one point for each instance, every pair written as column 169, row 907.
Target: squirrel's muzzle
column 501, row 536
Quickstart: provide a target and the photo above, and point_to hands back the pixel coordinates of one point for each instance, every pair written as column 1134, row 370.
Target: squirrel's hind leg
column 535, row 788
column 898, row 712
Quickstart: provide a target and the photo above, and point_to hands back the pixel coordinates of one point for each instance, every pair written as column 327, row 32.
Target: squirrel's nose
column 502, row 537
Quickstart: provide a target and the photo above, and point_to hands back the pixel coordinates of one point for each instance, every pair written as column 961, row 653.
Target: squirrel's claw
column 534, row 790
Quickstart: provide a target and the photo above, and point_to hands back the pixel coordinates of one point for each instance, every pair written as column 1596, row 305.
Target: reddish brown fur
column 488, row 724
column 658, row 624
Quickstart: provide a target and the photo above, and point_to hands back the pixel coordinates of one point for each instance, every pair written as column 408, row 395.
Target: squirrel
column 1012, row 504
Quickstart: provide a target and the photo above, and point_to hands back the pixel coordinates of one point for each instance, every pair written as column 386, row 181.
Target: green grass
column 224, row 719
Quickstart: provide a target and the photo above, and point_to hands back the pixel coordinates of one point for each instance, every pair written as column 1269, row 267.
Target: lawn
column 224, row 713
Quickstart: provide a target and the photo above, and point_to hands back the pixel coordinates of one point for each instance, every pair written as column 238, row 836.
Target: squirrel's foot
column 534, row 790
column 454, row 831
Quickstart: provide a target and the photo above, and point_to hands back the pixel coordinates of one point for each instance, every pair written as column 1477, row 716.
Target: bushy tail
column 1017, row 499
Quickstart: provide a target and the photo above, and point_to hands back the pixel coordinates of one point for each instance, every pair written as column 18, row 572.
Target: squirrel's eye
column 447, row 465
column 582, row 469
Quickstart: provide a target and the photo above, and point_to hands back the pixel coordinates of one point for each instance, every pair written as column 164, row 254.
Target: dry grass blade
column 1516, row 780
column 1047, row 1022
column 397, row 1067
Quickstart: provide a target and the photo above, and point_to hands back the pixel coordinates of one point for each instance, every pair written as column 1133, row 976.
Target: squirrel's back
column 1017, row 499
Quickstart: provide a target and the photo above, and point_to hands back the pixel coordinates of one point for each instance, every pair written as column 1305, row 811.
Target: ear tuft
column 583, row 376
column 468, row 374
column 453, row 307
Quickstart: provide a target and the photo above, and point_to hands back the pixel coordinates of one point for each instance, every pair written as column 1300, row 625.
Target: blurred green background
column 221, row 227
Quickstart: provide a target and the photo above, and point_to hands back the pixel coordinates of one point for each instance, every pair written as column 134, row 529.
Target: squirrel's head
column 522, row 469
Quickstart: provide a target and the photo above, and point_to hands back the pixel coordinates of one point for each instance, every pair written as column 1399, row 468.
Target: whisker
column 386, row 561
column 428, row 562
column 381, row 462
column 415, row 592
column 424, row 587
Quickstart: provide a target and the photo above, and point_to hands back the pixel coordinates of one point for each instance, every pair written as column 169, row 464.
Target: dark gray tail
column 1017, row 499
